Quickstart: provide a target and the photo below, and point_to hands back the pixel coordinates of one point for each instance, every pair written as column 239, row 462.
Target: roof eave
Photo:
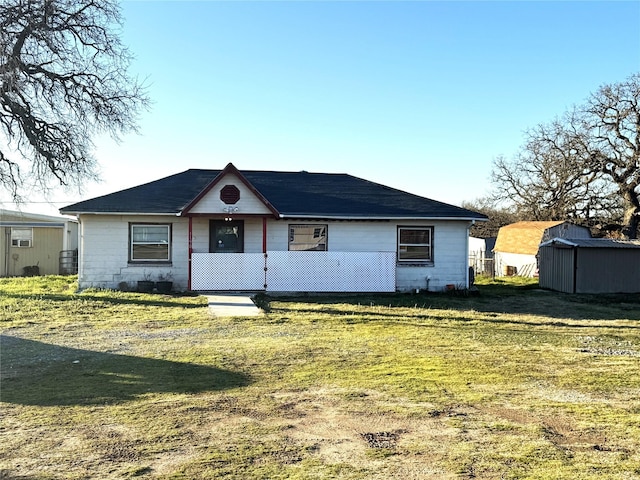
column 146, row 214
column 284, row 216
column 34, row 224
column 557, row 240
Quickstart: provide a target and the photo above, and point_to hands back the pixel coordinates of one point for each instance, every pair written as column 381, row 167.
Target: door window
column 226, row 237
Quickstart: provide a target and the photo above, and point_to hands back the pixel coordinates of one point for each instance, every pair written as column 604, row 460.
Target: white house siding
column 450, row 264
column 356, row 236
column 345, row 236
column 450, row 259
column 252, row 235
column 105, row 242
column 104, row 251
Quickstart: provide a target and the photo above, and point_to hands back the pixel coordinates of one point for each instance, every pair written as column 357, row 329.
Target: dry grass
column 513, row 383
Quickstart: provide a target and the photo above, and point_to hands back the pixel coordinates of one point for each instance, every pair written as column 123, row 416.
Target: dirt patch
column 514, row 415
column 558, row 429
column 411, row 445
column 387, row 440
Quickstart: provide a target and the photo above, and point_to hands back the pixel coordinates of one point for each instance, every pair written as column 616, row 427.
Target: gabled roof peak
column 230, row 169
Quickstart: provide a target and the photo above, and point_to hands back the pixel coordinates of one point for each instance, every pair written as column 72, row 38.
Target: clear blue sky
column 418, row 95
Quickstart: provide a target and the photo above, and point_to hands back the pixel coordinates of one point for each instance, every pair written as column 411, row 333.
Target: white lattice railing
column 227, row 271
column 295, row 271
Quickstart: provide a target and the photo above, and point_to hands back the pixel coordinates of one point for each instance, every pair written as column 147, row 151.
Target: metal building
column 590, row 265
column 34, row 244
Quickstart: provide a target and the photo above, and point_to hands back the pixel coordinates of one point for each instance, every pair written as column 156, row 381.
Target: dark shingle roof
column 167, row 195
column 290, row 193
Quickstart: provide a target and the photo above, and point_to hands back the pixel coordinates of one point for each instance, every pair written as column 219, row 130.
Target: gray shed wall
column 557, row 269
column 596, row 270
column 608, row 270
column 566, row 230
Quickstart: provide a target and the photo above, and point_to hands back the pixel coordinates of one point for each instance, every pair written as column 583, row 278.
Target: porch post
column 190, row 250
column 264, row 234
column 264, row 248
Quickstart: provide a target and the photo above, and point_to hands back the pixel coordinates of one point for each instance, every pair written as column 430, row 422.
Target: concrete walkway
column 232, row 305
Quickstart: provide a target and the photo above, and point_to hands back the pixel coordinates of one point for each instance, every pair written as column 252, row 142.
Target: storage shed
column 517, row 244
column 33, row 244
column 590, row 265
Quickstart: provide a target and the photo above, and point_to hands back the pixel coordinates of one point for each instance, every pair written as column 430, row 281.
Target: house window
column 150, row 243
column 22, row 237
column 308, row 238
column 415, row 244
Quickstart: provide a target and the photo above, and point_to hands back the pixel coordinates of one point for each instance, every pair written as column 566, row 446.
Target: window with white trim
column 21, row 237
column 415, row 244
column 311, row 237
column 150, row 242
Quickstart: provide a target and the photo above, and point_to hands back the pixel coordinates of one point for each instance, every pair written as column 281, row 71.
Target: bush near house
column 513, row 383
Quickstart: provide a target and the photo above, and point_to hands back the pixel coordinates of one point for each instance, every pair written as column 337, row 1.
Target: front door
column 226, row 237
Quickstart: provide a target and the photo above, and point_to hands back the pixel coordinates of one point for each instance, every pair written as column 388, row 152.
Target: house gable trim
column 229, row 169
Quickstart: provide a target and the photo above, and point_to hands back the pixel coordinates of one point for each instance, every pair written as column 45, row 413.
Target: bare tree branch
column 63, row 80
column 584, row 166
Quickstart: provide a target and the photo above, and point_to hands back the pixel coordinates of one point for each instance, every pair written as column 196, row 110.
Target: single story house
column 231, row 230
column 37, row 244
column 590, row 265
column 517, row 244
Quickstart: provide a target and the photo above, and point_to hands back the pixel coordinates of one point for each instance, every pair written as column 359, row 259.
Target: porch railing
column 292, row 271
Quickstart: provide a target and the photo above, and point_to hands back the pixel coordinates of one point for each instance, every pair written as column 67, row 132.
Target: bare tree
column 63, row 79
column 584, row 166
column 498, row 217
column 546, row 181
column 610, row 133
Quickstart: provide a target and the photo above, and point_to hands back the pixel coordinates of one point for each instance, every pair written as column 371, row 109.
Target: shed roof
column 592, row 243
column 15, row 218
column 292, row 194
column 522, row 237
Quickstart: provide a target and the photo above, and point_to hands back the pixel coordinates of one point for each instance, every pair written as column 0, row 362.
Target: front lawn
column 513, row 383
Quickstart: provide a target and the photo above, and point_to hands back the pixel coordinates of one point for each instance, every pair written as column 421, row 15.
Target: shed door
column 226, row 237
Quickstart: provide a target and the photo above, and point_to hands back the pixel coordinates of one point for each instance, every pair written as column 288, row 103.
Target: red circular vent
column 230, row 194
